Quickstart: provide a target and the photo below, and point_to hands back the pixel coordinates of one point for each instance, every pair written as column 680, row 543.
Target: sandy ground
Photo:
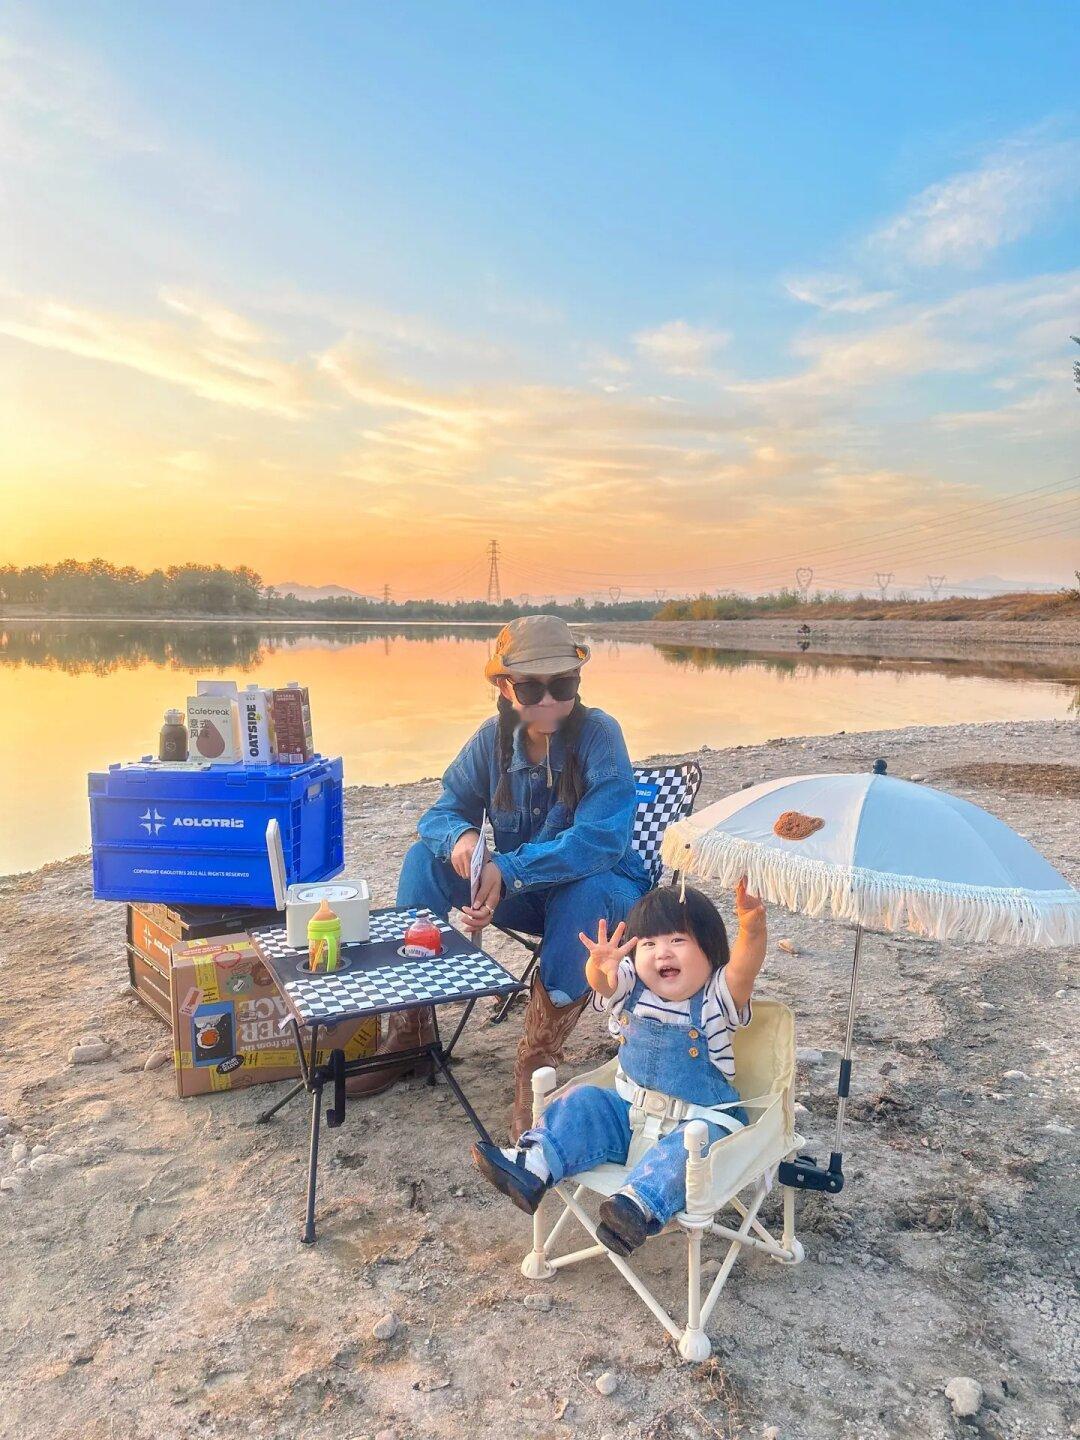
column 154, row 1286
column 1036, row 642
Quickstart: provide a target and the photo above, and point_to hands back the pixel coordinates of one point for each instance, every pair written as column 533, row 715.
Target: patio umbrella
column 882, row 854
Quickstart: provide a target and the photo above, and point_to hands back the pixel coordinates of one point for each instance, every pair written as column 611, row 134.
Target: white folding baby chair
column 737, row 1171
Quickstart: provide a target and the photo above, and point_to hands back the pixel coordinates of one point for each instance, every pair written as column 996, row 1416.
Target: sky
column 661, row 298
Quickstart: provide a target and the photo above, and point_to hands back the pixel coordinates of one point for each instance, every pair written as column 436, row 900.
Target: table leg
column 478, row 1124
column 448, row 1050
column 308, row 1237
column 314, row 1084
column 279, row 1104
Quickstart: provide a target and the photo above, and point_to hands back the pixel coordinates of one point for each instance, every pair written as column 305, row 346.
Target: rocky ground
column 154, row 1286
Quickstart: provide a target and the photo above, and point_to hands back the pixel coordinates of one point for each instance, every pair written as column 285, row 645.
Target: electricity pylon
column 883, row 581
column 494, row 590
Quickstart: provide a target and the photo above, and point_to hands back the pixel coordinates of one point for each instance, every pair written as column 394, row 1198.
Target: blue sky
column 694, row 278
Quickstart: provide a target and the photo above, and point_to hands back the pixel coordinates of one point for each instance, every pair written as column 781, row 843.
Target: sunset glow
column 345, row 298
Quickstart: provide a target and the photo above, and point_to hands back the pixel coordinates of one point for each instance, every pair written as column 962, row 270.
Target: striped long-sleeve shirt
column 719, row 1013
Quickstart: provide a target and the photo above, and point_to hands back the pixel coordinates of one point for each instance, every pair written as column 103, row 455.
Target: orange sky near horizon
column 240, row 328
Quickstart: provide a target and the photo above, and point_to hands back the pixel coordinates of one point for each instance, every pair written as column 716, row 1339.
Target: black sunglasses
column 559, row 687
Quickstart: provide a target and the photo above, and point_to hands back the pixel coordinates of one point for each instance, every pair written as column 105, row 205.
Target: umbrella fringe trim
column 934, row 909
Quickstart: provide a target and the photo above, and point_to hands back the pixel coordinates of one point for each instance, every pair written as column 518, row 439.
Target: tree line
column 95, row 587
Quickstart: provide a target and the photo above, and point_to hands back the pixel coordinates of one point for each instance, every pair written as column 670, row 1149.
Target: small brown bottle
column 173, row 744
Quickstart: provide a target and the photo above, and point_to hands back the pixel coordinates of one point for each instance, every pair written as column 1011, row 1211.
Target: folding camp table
column 374, row 978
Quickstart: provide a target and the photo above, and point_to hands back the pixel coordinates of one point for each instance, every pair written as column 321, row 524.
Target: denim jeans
column 557, row 913
column 590, row 1126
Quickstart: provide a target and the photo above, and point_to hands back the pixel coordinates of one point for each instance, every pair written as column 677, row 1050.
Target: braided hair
column 572, row 779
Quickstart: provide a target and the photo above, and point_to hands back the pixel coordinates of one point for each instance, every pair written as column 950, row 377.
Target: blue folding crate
column 198, row 836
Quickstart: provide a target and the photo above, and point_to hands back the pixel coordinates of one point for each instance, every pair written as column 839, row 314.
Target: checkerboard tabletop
column 375, row 979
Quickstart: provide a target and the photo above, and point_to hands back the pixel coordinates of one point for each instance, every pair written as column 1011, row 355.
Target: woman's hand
column 750, row 911
column 602, row 966
column 462, row 853
column 488, row 895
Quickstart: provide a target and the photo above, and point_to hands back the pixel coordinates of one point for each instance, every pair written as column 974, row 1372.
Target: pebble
column 18, row 1151
column 537, row 1302
column 387, row 1327
column 5, row 1124
column 90, row 1039
column 807, row 1056
column 607, row 1383
column 917, row 779
column 788, row 946
column 156, row 1059
column 1015, row 1075
column 85, row 1054
column 49, row 1162
column 771, row 1432
column 966, row 1395
column 12, row 1183
column 37, row 1150
column 800, row 1108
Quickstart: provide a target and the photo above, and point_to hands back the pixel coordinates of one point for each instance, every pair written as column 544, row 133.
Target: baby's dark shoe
column 509, row 1175
column 623, row 1226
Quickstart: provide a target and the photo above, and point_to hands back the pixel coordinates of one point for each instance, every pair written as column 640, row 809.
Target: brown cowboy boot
column 404, row 1030
column 547, row 1027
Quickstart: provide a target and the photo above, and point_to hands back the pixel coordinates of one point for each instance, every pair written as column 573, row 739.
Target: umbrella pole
column 843, row 1085
column 804, row 1173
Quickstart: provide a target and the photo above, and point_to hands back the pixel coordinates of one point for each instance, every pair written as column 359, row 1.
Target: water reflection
column 398, row 702
column 103, row 648
column 702, row 657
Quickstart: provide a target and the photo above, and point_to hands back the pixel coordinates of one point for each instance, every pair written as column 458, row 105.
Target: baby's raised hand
column 602, row 966
column 750, row 910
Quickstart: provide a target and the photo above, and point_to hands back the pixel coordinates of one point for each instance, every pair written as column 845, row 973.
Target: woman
column 556, row 781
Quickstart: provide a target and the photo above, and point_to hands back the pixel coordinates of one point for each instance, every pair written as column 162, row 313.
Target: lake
column 398, row 703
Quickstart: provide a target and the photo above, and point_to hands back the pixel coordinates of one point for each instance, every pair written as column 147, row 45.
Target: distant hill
column 316, row 592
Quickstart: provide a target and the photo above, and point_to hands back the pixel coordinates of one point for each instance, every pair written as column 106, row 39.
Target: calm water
column 398, row 704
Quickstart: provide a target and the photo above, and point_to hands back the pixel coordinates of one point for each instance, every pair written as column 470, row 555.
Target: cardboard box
column 150, row 984
column 193, row 922
column 226, row 1019
column 152, row 931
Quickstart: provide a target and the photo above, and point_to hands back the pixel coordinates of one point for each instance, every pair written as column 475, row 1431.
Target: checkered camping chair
column 664, row 794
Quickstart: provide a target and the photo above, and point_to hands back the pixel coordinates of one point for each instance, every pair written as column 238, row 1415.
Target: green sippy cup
column 324, row 939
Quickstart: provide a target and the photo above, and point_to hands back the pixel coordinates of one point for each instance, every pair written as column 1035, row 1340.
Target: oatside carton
column 212, row 729
column 253, row 705
column 291, row 723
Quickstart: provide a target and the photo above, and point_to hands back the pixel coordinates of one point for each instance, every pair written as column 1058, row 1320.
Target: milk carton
column 253, row 705
column 291, row 723
column 212, row 728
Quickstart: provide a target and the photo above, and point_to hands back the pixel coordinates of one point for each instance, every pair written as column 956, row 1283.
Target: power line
column 863, row 548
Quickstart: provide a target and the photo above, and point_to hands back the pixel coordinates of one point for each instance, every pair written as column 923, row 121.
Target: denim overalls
column 590, row 1125
column 562, row 871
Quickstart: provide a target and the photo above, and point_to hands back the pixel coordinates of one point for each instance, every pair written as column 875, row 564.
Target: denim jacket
column 539, row 842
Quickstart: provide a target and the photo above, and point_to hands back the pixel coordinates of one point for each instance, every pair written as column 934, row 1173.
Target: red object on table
column 422, row 939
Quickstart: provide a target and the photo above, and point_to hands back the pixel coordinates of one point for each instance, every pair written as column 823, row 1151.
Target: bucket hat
column 535, row 645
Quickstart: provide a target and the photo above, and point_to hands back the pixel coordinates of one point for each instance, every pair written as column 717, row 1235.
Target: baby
column 672, row 1008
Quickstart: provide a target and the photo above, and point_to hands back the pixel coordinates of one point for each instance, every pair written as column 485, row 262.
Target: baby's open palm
column 604, row 953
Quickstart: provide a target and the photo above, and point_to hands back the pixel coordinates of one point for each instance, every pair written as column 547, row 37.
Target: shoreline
column 1056, row 641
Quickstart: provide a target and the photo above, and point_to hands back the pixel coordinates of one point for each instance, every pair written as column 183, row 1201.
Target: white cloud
column 838, row 294
column 963, row 219
column 195, row 357
column 55, row 101
column 679, row 348
column 225, row 324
